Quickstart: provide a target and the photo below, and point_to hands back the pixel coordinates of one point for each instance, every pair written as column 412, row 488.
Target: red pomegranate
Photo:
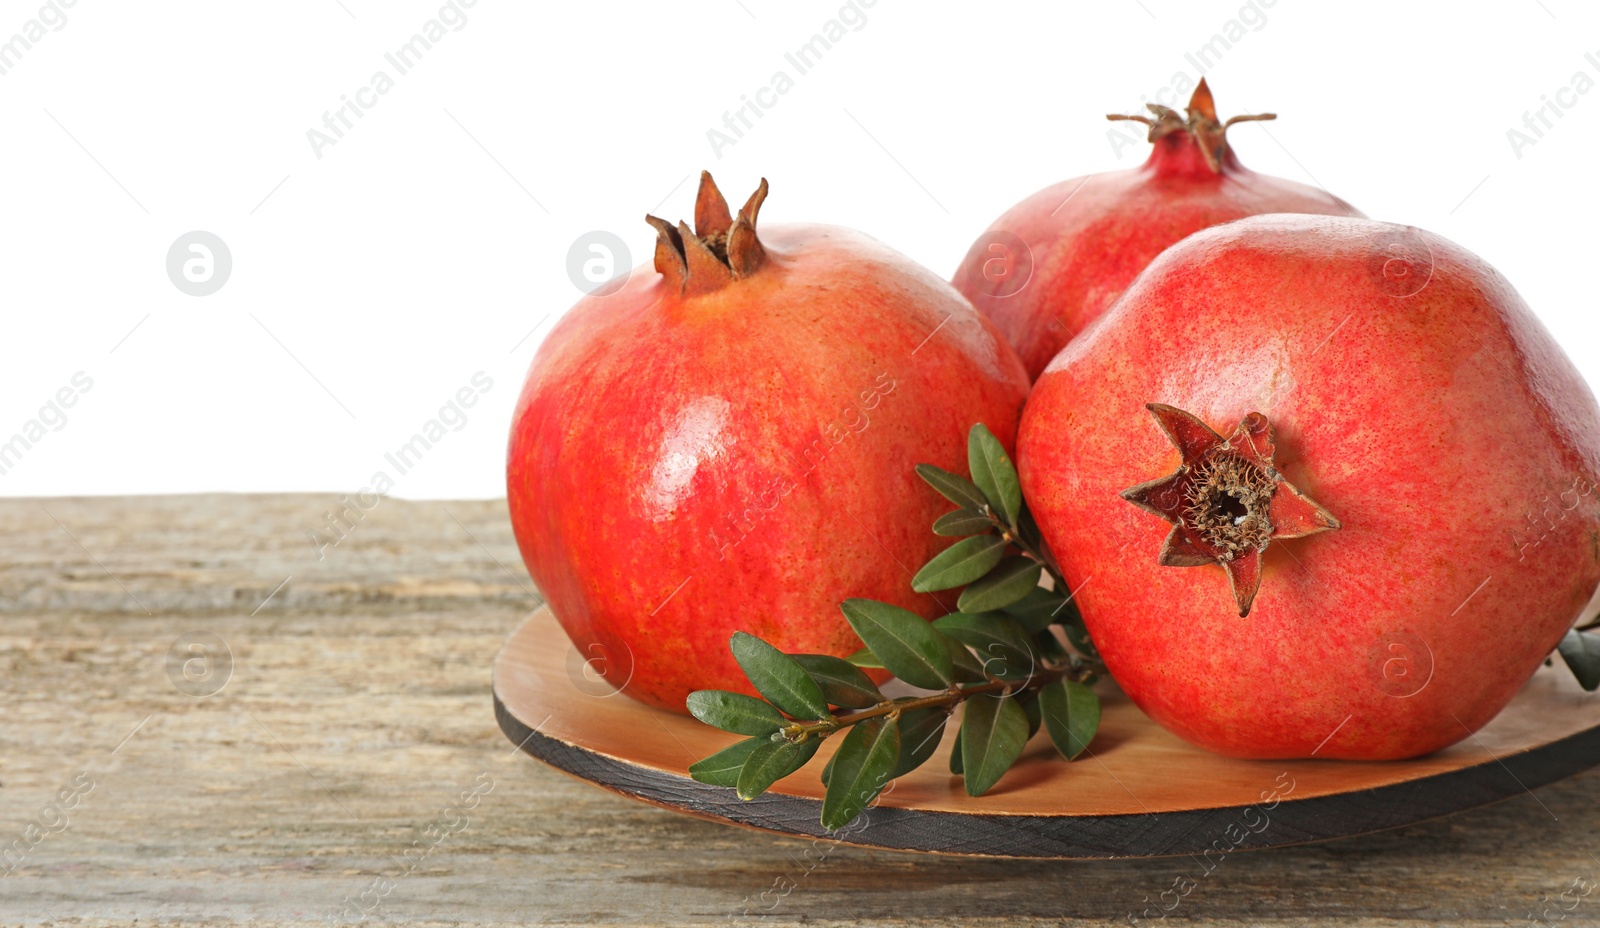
column 1053, row 263
column 1388, row 456
column 727, row 443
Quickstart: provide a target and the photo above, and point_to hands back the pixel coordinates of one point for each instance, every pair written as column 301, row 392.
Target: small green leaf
column 862, row 768
column 1039, row 609
column 960, row 564
column 958, row 490
column 1004, row 648
column 779, row 677
column 955, row 754
column 1029, row 528
column 908, row 646
column 735, row 712
column 1581, row 651
column 994, row 730
column 962, row 522
column 1035, row 715
column 843, row 683
column 1078, row 636
column 722, row 768
column 865, row 658
column 1008, row 583
column 920, row 731
column 992, row 472
column 967, row 666
column 768, row 763
column 1071, row 716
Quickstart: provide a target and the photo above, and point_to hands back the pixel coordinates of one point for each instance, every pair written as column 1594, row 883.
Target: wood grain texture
column 359, row 709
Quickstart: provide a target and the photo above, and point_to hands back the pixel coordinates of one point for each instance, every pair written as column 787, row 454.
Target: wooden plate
column 1143, row 793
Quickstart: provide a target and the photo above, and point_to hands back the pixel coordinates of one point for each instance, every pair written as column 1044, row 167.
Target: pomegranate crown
column 721, row 249
column 1202, row 124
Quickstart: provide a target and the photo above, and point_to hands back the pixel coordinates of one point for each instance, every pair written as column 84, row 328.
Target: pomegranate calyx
column 1209, row 134
column 1226, row 501
column 720, row 249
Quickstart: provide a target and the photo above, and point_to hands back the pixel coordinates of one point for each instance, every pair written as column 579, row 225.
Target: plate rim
column 1123, row 835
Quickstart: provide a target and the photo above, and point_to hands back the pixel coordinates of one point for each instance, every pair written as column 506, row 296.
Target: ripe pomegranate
column 1388, row 456
column 1053, row 263
column 727, row 443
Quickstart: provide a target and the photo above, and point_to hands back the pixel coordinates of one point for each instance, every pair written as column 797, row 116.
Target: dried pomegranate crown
column 1202, row 125
column 722, row 248
column 1226, row 501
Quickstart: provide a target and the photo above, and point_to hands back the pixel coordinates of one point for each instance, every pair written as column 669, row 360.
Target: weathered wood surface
column 358, row 710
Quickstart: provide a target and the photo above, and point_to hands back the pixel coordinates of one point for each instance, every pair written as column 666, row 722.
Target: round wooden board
column 1141, row 792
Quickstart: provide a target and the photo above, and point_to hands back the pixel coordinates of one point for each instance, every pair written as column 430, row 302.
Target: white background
column 369, row 285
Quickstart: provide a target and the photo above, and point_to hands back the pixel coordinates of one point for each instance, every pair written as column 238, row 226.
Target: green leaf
column 992, row 472
column 1071, row 716
column 1035, row 715
column 908, row 646
column 958, row 490
column 1003, row 646
column 994, row 730
column 862, row 767
column 779, row 677
column 843, row 683
column 865, row 658
column 1008, row 583
column 920, row 731
column 1039, row 609
column 962, row 522
column 1028, row 528
column 768, row 763
column 967, row 666
column 1582, row 653
column 827, row 769
column 1078, row 636
column 722, row 768
column 960, row 564
column 955, row 754
column 735, row 712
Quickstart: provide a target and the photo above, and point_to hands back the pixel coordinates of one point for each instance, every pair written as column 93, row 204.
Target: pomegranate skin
column 1443, row 427
column 685, row 466
column 1087, row 238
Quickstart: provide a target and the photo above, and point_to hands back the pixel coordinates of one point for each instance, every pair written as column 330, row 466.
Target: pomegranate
column 1388, row 456
column 727, row 443
column 1053, row 263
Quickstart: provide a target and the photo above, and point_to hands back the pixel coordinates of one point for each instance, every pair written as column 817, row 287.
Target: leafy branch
column 1016, row 655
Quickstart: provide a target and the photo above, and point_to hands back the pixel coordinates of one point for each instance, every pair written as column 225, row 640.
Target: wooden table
column 353, row 750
